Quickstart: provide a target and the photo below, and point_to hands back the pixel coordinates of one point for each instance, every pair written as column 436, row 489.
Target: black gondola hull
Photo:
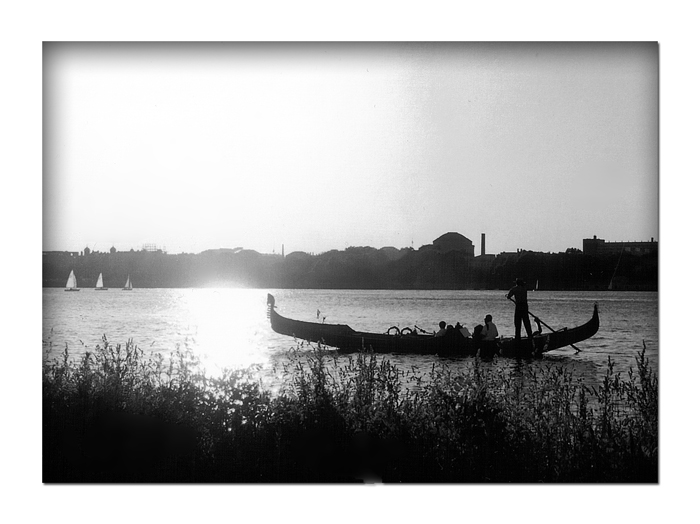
column 347, row 340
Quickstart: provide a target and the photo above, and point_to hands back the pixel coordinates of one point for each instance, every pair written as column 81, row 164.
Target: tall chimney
column 483, row 244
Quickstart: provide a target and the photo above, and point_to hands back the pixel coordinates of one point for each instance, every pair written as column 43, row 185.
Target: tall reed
column 119, row 415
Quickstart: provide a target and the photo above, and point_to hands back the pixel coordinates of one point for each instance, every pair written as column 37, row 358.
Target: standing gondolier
column 519, row 291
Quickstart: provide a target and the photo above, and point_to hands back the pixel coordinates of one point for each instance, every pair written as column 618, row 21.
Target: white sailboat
column 127, row 286
column 72, row 284
column 100, row 286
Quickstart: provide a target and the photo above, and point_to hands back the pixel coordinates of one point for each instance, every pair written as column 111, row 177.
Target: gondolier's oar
column 540, row 321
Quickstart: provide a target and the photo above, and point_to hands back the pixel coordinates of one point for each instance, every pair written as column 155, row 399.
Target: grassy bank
column 118, row 415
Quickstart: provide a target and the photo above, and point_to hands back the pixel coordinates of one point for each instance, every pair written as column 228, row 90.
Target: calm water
column 229, row 328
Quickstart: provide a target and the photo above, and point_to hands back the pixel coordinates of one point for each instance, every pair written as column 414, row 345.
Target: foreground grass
column 118, row 415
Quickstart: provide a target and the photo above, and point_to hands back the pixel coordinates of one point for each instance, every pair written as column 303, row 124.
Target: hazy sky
column 324, row 146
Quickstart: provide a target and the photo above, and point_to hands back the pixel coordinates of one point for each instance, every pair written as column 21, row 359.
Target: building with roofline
column 598, row 247
column 454, row 242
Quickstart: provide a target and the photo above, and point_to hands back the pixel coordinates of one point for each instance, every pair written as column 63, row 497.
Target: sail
column 127, row 286
column 72, row 283
column 99, row 281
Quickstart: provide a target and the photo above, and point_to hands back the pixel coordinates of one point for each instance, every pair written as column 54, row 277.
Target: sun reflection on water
column 220, row 320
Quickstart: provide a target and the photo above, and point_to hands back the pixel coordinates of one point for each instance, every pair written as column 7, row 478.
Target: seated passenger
column 442, row 329
column 489, row 346
column 463, row 330
column 490, row 330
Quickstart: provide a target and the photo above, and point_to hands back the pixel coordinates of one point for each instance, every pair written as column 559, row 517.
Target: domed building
column 454, row 242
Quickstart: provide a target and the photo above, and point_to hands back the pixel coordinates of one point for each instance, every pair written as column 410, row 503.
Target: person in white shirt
column 490, row 331
column 488, row 346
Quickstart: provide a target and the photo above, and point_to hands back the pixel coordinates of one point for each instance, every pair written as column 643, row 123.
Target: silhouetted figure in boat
column 519, row 292
column 451, row 333
column 443, row 330
column 489, row 334
column 463, row 330
column 478, row 330
column 490, row 331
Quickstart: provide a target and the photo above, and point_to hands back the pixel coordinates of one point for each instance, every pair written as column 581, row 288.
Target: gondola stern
column 270, row 307
column 596, row 317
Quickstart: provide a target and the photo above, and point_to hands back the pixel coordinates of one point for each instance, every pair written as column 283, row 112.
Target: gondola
column 409, row 341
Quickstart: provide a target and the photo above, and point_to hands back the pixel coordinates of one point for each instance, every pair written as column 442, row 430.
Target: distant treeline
column 356, row 268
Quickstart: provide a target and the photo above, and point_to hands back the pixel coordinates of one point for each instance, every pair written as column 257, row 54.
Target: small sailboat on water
column 100, row 286
column 72, row 284
column 127, row 286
